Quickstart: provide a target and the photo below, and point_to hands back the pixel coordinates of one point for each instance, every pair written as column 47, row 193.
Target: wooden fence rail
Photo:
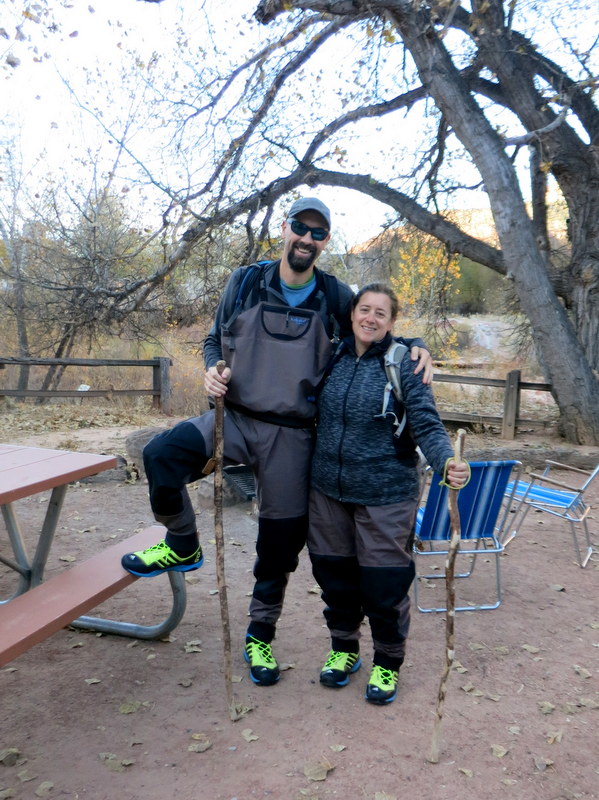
column 512, row 387
column 161, row 384
column 509, row 421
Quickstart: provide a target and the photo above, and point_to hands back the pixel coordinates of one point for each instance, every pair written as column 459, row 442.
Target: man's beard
column 301, row 263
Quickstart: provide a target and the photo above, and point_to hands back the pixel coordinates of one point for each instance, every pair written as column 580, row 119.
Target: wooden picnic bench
column 40, row 608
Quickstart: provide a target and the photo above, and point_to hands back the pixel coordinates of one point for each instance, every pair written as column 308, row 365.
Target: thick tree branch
column 455, row 239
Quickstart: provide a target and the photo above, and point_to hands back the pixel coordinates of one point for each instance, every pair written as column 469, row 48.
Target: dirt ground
column 102, row 717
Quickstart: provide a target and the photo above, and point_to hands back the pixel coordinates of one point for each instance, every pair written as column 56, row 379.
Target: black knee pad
column 279, row 544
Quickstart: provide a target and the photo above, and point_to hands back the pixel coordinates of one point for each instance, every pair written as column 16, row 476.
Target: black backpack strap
column 331, row 291
column 253, row 274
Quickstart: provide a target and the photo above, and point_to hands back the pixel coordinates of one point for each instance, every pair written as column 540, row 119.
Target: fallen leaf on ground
column 130, row 708
column 238, row 711
column 469, row 688
column 284, row 666
column 508, row 781
column 249, row 735
column 530, row 648
column 193, row 646
column 541, row 764
column 337, row 748
column 44, row 789
column 114, row 763
column 498, row 750
column 554, row 736
column 545, row 707
column 200, row 744
column 502, row 650
column 236, row 678
column 9, row 756
column 588, row 702
column 69, row 559
column 557, row 587
column 5, row 794
column 185, row 682
column 91, row 681
column 384, row 796
column 467, row 772
column 570, row 708
column 584, row 673
column 24, row 776
column 318, row 770
column 515, row 729
column 314, row 590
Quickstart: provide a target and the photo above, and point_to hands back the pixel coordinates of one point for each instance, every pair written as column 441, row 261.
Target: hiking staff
column 454, row 518
column 219, row 416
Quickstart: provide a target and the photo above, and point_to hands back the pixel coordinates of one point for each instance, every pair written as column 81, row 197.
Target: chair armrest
column 566, row 466
column 561, row 484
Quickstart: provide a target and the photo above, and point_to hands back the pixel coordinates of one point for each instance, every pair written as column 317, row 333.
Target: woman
column 365, row 489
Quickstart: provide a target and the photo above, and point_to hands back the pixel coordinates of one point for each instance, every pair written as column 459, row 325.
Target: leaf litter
column 318, row 770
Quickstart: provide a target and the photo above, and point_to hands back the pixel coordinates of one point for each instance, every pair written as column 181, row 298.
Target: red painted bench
column 42, row 611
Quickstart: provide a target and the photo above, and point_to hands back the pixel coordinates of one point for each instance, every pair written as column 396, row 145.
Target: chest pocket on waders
column 277, row 356
column 285, row 323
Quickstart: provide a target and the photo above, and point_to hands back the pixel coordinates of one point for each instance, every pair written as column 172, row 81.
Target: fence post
column 161, row 380
column 511, row 404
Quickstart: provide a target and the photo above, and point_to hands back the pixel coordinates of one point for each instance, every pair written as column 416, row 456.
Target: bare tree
column 14, row 256
column 488, row 93
column 424, row 99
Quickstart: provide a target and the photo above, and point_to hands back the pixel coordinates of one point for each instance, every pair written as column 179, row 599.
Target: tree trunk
column 559, row 351
column 55, row 372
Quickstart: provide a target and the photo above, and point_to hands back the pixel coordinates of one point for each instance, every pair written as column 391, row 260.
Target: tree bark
column 560, row 353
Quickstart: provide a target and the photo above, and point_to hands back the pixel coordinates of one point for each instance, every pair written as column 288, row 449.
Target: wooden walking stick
column 454, row 518
column 219, row 415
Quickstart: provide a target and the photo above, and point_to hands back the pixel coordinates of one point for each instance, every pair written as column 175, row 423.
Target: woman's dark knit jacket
column 357, row 459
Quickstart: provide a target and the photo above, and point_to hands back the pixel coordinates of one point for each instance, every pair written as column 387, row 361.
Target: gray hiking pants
column 362, row 561
column 280, row 460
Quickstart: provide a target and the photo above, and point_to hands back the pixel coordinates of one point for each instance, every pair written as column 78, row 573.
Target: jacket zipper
column 343, row 417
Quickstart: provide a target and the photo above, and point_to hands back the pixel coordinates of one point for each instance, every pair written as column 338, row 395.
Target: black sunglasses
column 301, row 229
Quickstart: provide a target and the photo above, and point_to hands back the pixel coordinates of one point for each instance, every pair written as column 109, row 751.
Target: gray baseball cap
column 310, row 204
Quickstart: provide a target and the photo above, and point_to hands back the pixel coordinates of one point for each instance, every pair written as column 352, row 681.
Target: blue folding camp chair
column 544, row 493
column 483, row 508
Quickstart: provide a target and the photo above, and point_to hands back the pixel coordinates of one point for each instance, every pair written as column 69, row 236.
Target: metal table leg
column 177, row 581
column 31, row 572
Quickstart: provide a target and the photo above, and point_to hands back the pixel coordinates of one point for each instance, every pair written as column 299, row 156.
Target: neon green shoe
column 160, row 558
column 338, row 667
column 382, row 685
column 264, row 669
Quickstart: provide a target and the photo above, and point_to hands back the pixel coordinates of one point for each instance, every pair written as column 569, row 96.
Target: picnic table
column 37, row 609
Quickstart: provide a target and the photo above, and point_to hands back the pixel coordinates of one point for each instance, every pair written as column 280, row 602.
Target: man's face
column 302, row 251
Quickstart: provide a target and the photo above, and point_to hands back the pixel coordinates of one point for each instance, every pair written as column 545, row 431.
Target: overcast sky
column 90, row 41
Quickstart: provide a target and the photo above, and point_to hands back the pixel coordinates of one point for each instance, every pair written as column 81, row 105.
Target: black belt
column 273, row 419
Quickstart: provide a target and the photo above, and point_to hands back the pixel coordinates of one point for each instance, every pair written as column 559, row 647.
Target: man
column 273, row 327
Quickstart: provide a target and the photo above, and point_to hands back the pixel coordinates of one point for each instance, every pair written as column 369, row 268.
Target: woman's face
column 371, row 320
